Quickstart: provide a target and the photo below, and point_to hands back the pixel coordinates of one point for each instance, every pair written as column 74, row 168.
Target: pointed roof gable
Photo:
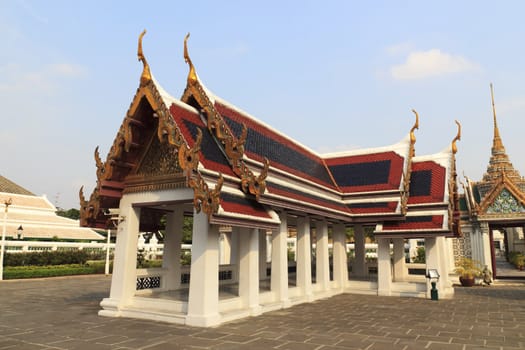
column 433, row 201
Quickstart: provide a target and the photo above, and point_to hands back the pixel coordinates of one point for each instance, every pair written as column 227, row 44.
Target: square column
column 340, row 258
column 400, row 269
column 172, row 247
column 249, row 269
column 279, row 277
column 124, row 278
column 304, row 257
column 384, row 268
column 322, row 259
column 447, row 290
column 433, row 260
column 203, row 301
column 359, row 265
column 263, row 257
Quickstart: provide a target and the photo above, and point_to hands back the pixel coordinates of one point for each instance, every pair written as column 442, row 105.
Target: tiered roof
column 243, row 172
column 37, row 216
column 501, row 192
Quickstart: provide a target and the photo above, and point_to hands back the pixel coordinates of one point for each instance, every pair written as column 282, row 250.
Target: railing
column 16, row 246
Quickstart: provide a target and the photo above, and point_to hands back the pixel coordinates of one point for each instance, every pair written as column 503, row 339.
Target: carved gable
column 505, row 203
column 159, row 159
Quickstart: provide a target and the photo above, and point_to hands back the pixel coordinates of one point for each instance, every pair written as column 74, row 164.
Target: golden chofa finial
column 146, row 74
column 416, row 126
column 192, row 75
column 457, row 138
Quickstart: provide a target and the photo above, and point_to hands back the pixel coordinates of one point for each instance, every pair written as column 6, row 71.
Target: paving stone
column 489, row 318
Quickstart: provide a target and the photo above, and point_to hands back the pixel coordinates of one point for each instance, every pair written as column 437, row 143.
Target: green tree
column 70, row 213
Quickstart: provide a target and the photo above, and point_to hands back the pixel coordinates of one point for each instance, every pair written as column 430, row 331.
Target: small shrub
column 420, row 256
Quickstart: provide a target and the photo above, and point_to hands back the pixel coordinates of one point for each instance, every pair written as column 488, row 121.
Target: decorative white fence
column 16, row 246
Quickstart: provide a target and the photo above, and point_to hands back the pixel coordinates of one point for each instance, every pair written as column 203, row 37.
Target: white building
column 34, row 217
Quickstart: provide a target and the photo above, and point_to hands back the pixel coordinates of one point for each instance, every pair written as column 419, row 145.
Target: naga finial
column 457, row 138
column 146, row 74
column 192, row 75
column 416, row 126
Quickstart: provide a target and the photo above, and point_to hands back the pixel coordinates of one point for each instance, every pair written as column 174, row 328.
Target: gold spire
column 497, row 144
column 457, row 138
column 192, row 75
column 146, row 74
column 416, row 126
column 499, row 162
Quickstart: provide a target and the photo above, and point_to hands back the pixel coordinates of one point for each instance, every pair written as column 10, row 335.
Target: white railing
column 16, row 246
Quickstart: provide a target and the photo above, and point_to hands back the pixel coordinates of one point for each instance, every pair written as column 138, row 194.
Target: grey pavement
column 61, row 313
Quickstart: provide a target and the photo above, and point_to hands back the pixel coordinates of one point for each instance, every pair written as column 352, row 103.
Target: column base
column 203, row 321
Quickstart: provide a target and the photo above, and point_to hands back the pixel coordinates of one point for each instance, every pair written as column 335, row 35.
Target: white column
column 124, row 278
column 172, row 247
column 486, row 254
column 384, row 269
column 400, row 269
column 340, row 258
column 234, row 245
column 263, row 259
column 249, row 269
column 279, row 278
column 304, row 257
column 203, row 301
column 433, row 258
column 359, row 265
column 322, row 262
column 446, row 284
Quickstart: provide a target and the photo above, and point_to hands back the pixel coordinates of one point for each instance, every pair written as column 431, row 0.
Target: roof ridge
column 233, row 146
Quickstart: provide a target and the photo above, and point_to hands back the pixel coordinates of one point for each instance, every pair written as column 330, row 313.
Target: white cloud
column 399, row 49
column 17, row 78
column 68, row 70
column 431, row 63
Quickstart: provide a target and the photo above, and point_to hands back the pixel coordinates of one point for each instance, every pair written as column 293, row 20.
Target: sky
column 333, row 75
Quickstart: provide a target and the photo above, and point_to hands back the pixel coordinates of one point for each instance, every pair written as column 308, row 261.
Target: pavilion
column 203, row 157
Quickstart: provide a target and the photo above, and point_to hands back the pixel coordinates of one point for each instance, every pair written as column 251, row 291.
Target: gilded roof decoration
column 205, row 199
column 146, row 73
column 408, row 171
column 234, row 147
column 453, row 207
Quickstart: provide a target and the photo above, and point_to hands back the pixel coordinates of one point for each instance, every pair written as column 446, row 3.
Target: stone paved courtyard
column 61, row 313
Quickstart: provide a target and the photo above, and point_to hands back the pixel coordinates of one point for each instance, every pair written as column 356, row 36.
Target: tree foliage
column 70, row 213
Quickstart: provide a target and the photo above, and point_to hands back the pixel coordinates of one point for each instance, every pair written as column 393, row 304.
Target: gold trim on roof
column 457, row 138
column 205, row 199
column 146, row 73
column 453, row 207
column 408, row 172
column 233, row 146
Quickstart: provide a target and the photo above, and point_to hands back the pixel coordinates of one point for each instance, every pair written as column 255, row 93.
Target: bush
column 65, row 257
column 18, row 272
column 420, row 256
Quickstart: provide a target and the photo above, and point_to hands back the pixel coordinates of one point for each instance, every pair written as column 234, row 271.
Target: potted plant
column 467, row 270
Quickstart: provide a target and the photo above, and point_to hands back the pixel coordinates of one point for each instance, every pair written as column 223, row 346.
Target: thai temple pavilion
column 201, row 156
column 493, row 209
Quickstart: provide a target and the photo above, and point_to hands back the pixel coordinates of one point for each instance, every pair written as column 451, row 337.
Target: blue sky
column 333, row 75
